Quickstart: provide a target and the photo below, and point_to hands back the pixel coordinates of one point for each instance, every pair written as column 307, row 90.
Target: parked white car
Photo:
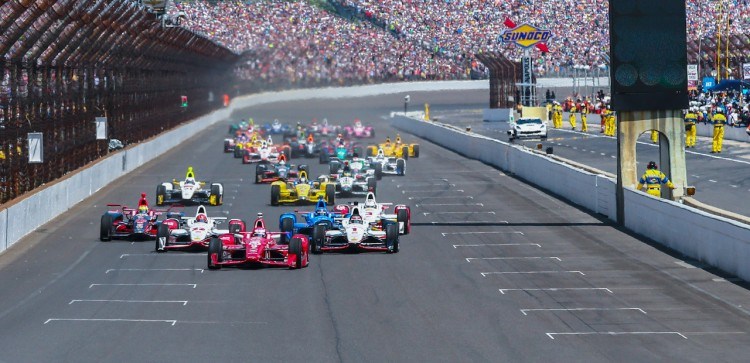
column 530, row 127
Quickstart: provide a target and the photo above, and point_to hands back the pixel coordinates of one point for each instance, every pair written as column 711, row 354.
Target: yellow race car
column 302, row 191
column 395, row 149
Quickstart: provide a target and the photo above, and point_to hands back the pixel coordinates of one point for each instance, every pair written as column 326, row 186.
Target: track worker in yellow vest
column 584, row 109
column 572, row 117
column 653, row 179
column 691, row 119
column 719, row 121
column 655, row 136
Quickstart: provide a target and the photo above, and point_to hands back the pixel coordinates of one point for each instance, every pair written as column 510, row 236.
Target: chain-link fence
column 67, row 62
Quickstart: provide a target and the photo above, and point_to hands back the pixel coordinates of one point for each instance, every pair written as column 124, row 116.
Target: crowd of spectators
column 733, row 104
column 406, row 39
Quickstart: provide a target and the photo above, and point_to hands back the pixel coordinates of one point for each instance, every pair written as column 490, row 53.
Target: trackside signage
column 526, row 36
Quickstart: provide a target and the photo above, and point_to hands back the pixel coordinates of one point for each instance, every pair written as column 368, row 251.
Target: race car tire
column 402, row 216
column 237, row 152
column 215, row 247
column 287, row 153
column 333, row 167
column 378, row 171
column 216, row 198
column 372, row 186
column 324, row 157
column 259, row 169
column 416, row 150
column 236, row 228
column 372, row 133
column 227, row 147
column 401, row 167
column 105, row 229
column 405, row 152
column 330, row 194
column 318, row 238
column 287, row 227
column 162, row 232
column 161, row 194
column 275, row 195
column 391, row 237
column 372, row 151
column 295, row 247
column 357, row 151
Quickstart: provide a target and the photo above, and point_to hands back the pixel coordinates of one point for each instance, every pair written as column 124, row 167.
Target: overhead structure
column 504, row 75
column 66, row 62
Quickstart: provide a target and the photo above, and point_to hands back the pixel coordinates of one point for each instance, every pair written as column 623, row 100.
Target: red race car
column 257, row 247
column 133, row 223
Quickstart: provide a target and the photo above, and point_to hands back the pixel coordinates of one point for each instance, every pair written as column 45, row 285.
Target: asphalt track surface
column 721, row 180
column 493, row 271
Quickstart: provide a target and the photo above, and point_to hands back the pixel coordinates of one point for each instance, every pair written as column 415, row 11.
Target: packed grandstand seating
column 415, row 39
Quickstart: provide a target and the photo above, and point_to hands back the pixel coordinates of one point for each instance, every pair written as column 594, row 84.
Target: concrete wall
column 715, row 240
column 730, row 133
column 44, row 204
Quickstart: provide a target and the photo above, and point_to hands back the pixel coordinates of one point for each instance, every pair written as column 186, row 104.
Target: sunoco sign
column 525, row 36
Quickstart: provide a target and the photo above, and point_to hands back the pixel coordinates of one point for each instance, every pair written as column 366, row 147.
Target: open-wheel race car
column 376, row 213
column 353, row 178
column 188, row 232
column 388, row 164
column 139, row 223
column 257, row 246
column 302, row 191
column 281, row 171
column 291, row 223
column 190, row 191
column 359, row 131
column 267, row 152
column 357, row 234
column 395, row 149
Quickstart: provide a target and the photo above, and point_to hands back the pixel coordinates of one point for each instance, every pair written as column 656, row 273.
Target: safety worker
column 691, row 119
column 610, row 123
column 653, row 179
column 190, row 173
column 719, row 121
column 559, row 109
column 572, row 117
column 584, row 109
column 654, row 136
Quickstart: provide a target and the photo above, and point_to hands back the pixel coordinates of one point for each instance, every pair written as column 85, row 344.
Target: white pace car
column 188, row 232
column 530, row 127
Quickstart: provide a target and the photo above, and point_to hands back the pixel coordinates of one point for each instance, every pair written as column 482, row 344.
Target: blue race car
column 277, row 128
column 289, row 222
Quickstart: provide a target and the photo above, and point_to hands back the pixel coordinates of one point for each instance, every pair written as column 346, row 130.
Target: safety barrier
column 715, row 240
column 42, row 205
column 730, row 133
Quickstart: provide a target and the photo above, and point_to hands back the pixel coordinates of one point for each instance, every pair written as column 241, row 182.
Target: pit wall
column 23, row 216
column 714, row 240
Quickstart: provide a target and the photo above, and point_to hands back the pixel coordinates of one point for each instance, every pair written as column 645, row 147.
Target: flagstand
column 528, row 87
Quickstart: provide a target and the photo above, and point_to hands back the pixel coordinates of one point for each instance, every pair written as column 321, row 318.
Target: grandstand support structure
column 504, row 75
column 66, row 62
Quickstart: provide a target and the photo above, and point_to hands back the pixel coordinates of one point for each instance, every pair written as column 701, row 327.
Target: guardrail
column 715, row 240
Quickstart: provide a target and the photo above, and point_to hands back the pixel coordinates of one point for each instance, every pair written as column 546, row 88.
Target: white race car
column 189, row 191
column 387, row 165
column 530, row 127
column 188, row 232
column 375, row 214
column 356, row 233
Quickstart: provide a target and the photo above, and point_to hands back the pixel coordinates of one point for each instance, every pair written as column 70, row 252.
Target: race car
column 340, row 150
column 306, row 147
column 395, row 149
column 388, row 165
column 359, row 131
column 302, row 191
column 257, row 247
column 267, row 152
column 353, row 178
column 288, row 222
column 243, row 142
column 375, row 214
column 132, row 223
column 188, row 232
column 189, row 191
column 281, row 171
column 356, row 234
column 277, row 128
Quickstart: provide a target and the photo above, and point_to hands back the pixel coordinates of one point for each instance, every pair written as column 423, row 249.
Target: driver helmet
column 387, row 140
column 143, row 209
column 325, row 121
column 189, row 181
column 321, row 212
column 398, row 139
column 357, row 122
column 370, row 203
column 303, row 178
column 652, row 165
column 201, row 218
column 259, row 232
column 355, row 218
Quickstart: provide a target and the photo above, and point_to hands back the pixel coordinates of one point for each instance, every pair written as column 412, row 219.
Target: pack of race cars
column 358, row 225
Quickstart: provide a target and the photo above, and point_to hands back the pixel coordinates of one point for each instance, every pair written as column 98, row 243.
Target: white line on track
column 154, row 269
column 497, row 245
column 432, row 191
column 614, row 333
column 449, row 197
column 472, row 212
column 183, row 302
column 161, row 254
column 502, row 291
column 187, row 285
column 485, row 274
column 447, row 233
column 526, row 311
column 468, row 259
column 448, row 204
column 712, row 181
column 171, row 322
